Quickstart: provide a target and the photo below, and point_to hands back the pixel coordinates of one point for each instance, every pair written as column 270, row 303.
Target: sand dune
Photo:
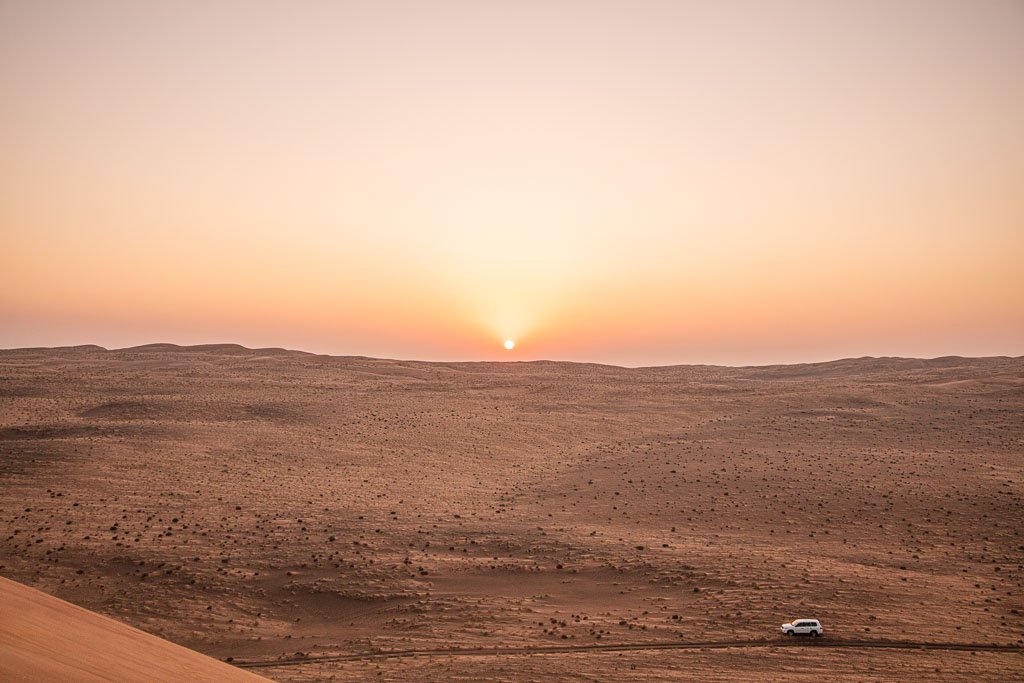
column 276, row 507
column 43, row 638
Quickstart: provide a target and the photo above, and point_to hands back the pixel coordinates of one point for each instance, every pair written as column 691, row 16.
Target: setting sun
column 266, row 266
column 435, row 178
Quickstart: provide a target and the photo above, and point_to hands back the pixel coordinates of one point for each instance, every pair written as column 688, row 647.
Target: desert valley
column 710, row 317
column 302, row 516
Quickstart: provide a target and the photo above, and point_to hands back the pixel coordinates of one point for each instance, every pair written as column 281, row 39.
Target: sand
column 287, row 511
column 43, row 638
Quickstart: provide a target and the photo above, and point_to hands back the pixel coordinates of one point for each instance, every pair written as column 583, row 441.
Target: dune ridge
column 43, row 638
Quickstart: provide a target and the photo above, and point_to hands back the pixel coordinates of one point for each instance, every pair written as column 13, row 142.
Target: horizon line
column 233, row 345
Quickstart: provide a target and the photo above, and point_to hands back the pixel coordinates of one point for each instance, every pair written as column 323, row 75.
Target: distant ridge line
column 782, row 368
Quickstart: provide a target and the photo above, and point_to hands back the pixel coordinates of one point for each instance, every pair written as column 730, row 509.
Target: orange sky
column 627, row 182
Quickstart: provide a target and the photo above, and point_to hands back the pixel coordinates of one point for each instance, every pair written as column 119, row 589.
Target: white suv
column 810, row 627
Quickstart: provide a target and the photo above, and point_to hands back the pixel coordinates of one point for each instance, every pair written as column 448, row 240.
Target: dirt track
column 633, row 647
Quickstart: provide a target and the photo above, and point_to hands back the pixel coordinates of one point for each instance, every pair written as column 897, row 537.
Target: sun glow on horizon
column 640, row 183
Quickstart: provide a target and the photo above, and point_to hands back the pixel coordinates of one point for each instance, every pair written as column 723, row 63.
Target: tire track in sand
column 628, row 647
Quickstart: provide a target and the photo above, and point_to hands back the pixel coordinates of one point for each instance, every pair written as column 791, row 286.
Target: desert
column 310, row 517
column 511, row 341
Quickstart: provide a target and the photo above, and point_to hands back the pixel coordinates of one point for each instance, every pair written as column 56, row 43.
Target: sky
column 636, row 183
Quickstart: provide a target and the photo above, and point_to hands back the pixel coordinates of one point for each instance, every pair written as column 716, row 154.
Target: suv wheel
column 814, row 634
column 790, row 632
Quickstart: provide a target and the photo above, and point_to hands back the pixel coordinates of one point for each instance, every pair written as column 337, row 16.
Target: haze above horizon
column 643, row 183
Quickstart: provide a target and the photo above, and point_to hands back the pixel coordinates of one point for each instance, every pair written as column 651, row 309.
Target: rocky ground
column 274, row 506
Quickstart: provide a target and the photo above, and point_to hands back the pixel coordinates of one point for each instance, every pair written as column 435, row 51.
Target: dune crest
column 46, row 638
